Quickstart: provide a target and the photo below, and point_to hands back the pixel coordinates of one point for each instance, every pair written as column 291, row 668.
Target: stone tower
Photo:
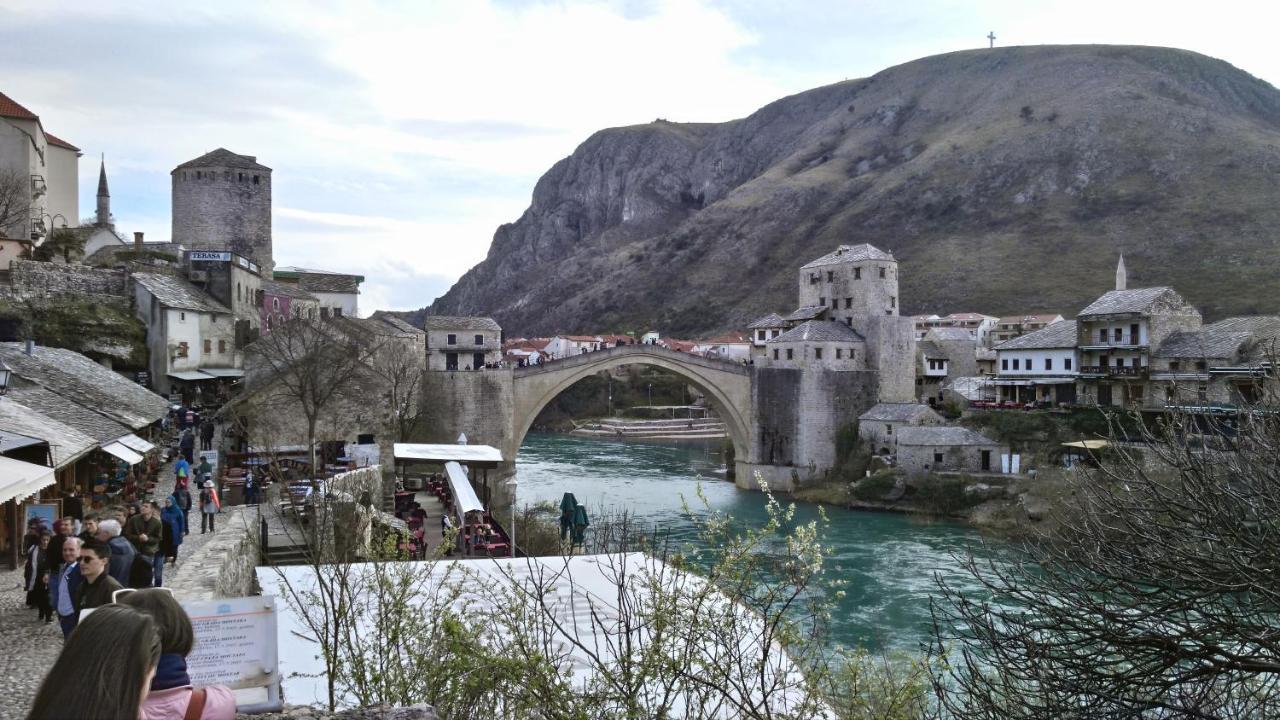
column 103, row 216
column 222, row 201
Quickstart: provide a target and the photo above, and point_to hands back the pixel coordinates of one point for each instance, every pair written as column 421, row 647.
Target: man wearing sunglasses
column 98, row 585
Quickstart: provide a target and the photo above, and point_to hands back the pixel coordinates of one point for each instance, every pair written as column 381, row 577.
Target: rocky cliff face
column 1003, row 180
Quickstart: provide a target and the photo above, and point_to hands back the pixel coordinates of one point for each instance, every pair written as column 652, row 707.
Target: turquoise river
column 888, row 560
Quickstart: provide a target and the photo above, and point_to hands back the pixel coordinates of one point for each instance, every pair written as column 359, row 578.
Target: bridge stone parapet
column 592, row 358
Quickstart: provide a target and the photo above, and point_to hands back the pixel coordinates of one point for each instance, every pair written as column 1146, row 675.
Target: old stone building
column 922, row 449
column 1225, row 364
column 222, row 201
column 462, row 343
column 880, row 425
column 190, row 336
column 816, row 345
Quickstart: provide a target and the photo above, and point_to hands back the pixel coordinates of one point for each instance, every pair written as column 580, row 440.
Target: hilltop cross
column 991, row 36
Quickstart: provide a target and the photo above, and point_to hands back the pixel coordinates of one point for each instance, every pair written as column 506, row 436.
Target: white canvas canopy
column 448, row 453
column 122, row 452
column 464, row 496
column 20, row 479
column 135, row 443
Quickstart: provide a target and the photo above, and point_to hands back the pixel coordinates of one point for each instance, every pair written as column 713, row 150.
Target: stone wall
column 478, row 403
column 224, row 566
column 33, row 280
column 358, row 484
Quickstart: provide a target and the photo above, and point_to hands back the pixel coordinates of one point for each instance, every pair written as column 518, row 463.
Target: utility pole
column 991, row 37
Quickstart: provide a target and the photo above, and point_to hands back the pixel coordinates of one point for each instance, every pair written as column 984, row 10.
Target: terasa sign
column 210, row 255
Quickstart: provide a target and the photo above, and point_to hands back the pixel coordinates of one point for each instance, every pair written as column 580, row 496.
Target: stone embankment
column 670, row 429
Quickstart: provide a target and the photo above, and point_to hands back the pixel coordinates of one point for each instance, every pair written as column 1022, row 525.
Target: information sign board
column 236, row 646
column 210, row 255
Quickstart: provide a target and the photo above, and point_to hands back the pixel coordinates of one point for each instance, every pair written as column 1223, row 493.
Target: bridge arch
column 727, row 384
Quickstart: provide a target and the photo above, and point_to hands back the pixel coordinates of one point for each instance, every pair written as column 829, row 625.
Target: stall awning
column 478, row 455
column 223, row 372
column 135, row 443
column 20, row 479
column 13, row 441
column 190, row 375
column 1087, row 444
column 122, row 452
column 464, row 496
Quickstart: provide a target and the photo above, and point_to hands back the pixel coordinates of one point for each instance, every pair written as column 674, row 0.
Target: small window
column 893, row 301
column 760, row 334
column 213, row 318
column 937, row 457
column 182, row 317
column 835, row 303
column 183, row 349
column 1048, row 363
column 222, row 347
column 831, row 276
column 1202, row 393
column 881, row 272
column 817, row 353
column 255, row 179
column 452, row 340
column 1102, row 335
column 790, row 355
column 776, row 333
column 268, row 322
column 822, row 301
column 1118, row 334
column 848, row 303
column 857, row 273
column 337, row 312
column 1004, row 363
column 839, row 352
column 775, row 353
column 1016, row 363
column 1066, row 364
column 479, row 339
column 1174, row 365
column 888, row 429
column 1199, row 365
column 238, row 292
column 275, row 303
column 208, row 347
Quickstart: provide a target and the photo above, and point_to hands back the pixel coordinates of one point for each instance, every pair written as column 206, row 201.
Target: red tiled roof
column 726, row 339
column 11, row 109
column 581, row 338
column 52, row 140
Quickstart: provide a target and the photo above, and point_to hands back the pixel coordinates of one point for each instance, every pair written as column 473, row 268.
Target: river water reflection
column 887, row 560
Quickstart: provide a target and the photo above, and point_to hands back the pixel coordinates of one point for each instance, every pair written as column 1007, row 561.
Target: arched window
column 275, row 303
column 268, row 322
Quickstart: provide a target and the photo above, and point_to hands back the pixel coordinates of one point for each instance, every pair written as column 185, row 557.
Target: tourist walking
column 181, row 472
column 182, row 497
column 122, row 552
column 250, row 489
column 102, row 671
column 98, row 585
column 187, row 445
column 145, row 532
column 206, row 434
column 171, row 518
column 89, row 531
column 65, row 583
column 37, row 574
column 204, row 471
column 208, row 506
column 61, row 531
column 171, row 693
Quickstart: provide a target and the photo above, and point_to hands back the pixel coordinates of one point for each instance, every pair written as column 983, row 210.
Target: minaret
column 1122, row 277
column 104, row 197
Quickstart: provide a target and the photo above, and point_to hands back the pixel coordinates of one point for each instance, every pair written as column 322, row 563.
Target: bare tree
column 306, row 367
column 15, row 204
column 399, row 365
column 1159, row 597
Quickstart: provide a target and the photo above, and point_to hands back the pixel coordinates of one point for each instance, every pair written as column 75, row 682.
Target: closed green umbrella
column 580, row 523
column 568, row 504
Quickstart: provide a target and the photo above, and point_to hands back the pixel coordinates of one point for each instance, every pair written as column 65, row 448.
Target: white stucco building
column 191, row 337
column 1040, row 366
column 50, row 167
column 337, row 293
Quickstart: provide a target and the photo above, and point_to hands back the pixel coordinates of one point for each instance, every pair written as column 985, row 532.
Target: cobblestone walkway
column 32, row 646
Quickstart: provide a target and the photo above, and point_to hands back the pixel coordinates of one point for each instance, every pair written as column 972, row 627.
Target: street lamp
column 5, row 373
column 512, row 485
column 53, row 217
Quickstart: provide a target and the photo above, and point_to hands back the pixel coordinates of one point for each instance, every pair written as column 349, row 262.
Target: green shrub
column 876, row 487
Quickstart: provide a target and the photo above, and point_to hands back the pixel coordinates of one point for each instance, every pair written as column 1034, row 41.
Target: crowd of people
column 77, row 564
column 145, row 673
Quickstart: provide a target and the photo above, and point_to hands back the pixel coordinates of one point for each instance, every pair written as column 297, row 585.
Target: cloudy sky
column 403, row 134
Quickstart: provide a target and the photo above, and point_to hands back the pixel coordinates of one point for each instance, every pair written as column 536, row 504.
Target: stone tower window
column 775, row 353
column 790, row 354
column 452, row 340
column 848, row 303
column 881, row 272
column 893, row 301
column 255, row 179
column 817, row 353
column 857, row 273
column 831, row 276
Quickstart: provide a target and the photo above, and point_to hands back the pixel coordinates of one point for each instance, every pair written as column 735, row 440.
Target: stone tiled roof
column 899, row 412
column 398, row 323
column 52, row 405
column 941, row 436
column 808, row 312
column 850, row 253
column 1139, row 300
column 949, row 334
column 982, row 353
column 819, row 331
column 772, row 320
column 1229, row 339
column 223, row 157
column 271, row 287
column 85, row 382
column 447, row 322
column 1028, row 319
column 65, row 442
column 1058, row 335
column 930, row 349
column 175, row 292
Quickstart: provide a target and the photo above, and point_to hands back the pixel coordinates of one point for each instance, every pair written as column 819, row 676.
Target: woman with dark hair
column 104, row 669
column 37, row 576
column 171, row 693
column 171, row 521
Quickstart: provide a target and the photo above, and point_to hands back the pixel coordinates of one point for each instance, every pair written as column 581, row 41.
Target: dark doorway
column 986, row 460
column 1104, row 394
column 477, row 360
column 451, row 361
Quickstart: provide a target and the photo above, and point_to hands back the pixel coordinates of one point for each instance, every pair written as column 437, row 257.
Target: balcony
column 1124, row 343
column 1113, row 371
column 38, row 186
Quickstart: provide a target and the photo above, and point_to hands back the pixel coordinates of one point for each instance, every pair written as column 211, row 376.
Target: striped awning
column 122, row 452
column 19, row 480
